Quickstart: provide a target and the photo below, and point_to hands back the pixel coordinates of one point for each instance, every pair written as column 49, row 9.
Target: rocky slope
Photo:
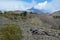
column 34, row 28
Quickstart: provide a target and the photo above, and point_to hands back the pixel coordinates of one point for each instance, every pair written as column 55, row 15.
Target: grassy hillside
column 34, row 26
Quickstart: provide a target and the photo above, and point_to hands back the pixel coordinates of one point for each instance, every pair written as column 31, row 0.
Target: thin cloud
column 52, row 6
column 14, row 5
column 40, row 5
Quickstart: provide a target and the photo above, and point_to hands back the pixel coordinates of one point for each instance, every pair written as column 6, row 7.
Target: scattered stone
column 59, row 34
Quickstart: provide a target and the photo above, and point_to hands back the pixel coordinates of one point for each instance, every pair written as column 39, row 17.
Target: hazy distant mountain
column 36, row 10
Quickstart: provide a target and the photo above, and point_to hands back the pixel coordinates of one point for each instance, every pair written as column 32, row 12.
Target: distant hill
column 36, row 10
column 56, row 13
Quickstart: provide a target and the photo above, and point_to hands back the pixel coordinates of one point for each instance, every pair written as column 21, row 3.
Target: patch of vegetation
column 15, row 16
column 36, row 21
column 56, row 16
column 10, row 32
column 57, row 28
column 10, row 16
column 24, row 14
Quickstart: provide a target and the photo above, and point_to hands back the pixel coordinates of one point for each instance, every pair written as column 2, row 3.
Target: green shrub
column 59, row 27
column 11, row 32
column 56, row 16
column 56, row 27
column 24, row 14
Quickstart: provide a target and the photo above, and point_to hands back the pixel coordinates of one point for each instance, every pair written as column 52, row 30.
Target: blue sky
column 38, row 1
column 49, row 5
